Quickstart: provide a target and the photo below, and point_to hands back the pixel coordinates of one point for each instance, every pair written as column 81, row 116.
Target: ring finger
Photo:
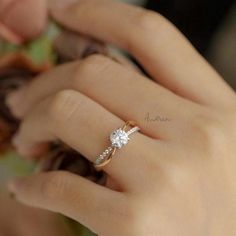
column 84, row 125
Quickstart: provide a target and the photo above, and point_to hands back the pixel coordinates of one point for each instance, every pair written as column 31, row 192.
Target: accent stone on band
column 133, row 130
column 103, row 156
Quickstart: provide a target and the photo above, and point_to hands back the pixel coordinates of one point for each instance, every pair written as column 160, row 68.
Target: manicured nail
column 20, row 147
column 8, row 35
column 26, row 151
column 15, row 102
column 14, row 98
column 15, row 140
column 14, row 186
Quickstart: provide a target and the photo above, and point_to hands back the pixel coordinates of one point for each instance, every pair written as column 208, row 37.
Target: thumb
column 25, row 19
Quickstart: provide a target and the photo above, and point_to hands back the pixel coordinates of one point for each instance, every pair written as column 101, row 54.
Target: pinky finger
column 70, row 195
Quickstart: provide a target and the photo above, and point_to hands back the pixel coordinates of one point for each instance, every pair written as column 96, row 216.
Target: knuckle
column 147, row 20
column 62, row 107
column 209, row 132
column 90, row 69
column 94, row 60
column 137, row 217
column 133, row 217
column 147, row 23
column 54, row 185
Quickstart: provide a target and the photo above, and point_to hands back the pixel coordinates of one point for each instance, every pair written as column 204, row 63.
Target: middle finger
column 124, row 92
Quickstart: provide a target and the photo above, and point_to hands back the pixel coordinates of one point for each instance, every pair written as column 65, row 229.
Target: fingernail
column 14, row 186
column 15, row 102
column 15, row 140
column 26, row 151
column 10, row 36
column 20, row 147
column 14, row 98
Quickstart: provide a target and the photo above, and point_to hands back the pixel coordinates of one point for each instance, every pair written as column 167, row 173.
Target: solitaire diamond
column 119, row 138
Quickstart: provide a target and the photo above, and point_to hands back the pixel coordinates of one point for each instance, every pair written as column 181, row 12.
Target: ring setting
column 118, row 139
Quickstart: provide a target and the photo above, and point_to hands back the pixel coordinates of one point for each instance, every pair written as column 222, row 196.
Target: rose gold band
column 128, row 125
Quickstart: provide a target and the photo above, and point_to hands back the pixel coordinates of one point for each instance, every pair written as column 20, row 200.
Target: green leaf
column 15, row 166
column 6, row 48
column 40, row 51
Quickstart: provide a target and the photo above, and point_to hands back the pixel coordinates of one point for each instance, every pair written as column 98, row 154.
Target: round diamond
column 119, row 138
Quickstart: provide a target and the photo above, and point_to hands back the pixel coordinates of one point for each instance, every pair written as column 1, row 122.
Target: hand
column 17, row 219
column 21, row 20
column 176, row 177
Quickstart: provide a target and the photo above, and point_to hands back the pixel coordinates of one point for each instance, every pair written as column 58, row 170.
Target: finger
column 84, row 125
column 25, row 218
column 4, row 4
column 22, row 21
column 71, row 195
column 73, row 46
column 119, row 57
column 8, row 35
column 124, row 92
column 155, row 42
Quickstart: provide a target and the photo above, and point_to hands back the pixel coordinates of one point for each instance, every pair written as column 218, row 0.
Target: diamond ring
column 118, row 139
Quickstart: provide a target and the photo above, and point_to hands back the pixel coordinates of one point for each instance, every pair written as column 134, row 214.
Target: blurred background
column 209, row 24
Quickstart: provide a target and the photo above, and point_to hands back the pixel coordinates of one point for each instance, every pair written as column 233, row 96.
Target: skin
column 175, row 177
column 28, row 221
column 15, row 25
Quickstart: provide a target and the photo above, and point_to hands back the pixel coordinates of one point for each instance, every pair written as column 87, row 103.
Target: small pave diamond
column 119, row 138
column 133, row 130
column 102, row 156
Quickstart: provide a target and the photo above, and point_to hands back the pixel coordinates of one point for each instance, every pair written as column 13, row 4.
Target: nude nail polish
column 14, row 98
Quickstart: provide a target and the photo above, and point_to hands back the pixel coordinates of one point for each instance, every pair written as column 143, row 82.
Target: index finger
column 156, row 43
column 25, row 18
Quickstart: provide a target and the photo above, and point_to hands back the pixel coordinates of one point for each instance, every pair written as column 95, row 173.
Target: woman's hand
column 20, row 220
column 176, row 177
column 21, row 20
